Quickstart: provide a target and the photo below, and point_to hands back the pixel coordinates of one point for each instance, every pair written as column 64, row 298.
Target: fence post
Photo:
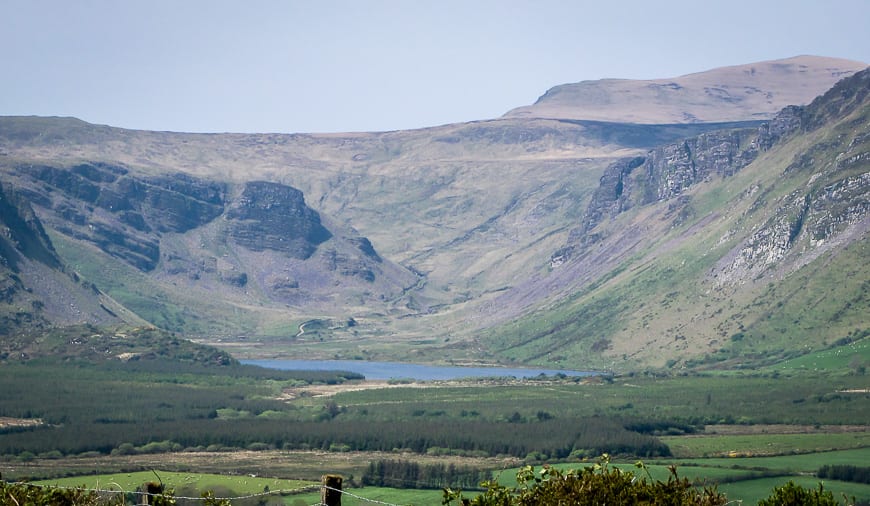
column 150, row 492
column 330, row 490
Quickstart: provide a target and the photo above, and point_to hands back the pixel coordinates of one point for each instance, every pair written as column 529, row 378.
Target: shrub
column 792, row 494
column 23, row 493
column 594, row 485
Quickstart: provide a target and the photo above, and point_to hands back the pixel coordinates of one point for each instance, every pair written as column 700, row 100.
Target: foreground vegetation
column 599, row 483
column 136, row 408
column 747, row 432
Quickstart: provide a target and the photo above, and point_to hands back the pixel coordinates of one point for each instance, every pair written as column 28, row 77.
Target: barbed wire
column 141, row 493
column 345, row 492
column 121, row 490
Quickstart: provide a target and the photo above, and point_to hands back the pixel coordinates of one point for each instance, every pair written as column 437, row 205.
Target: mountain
column 567, row 242
column 166, row 243
column 735, row 247
column 757, row 90
column 35, row 287
column 407, row 223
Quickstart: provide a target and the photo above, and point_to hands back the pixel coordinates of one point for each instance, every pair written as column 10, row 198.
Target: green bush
column 792, row 494
column 602, row 484
column 594, row 485
column 18, row 494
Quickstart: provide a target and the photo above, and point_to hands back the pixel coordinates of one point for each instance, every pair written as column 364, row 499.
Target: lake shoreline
column 373, row 370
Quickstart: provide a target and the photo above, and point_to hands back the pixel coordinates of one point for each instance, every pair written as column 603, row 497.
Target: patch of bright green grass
column 847, row 357
column 367, row 496
column 804, row 463
column 752, row 491
column 763, row 444
column 128, row 482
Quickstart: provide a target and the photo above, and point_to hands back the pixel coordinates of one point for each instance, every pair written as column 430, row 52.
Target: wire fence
column 237, row 499
column 234, row 499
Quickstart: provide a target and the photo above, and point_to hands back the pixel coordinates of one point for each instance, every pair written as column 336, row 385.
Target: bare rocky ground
column 7, row 422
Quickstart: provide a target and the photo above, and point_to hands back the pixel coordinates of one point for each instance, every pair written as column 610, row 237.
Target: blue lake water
column 396, row 370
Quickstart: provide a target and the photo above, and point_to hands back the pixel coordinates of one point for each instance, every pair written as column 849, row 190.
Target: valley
column 707, row 260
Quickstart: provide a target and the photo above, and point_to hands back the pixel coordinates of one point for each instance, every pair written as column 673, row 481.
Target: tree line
column 406, row 474
column 855, row 474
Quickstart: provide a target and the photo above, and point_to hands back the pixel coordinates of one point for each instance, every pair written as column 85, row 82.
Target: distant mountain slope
column 736, row 247
column 564, row 242
column 173, row 238
column 757, row 91
column 406, row 221
column 36, row 290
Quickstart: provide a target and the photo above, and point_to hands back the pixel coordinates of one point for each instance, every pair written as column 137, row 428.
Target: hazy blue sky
column 335, row 66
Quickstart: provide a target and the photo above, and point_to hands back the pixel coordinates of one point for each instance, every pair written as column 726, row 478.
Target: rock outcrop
column 36, row 288
column 121, row 213
column 274, row 216
column 836, row 197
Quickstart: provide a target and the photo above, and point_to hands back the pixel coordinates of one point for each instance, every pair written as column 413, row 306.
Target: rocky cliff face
column 126, row 214
column 833, row 206
column 122, row 214
column 255, row 240
column 36, row 288
column 666, row 172
column 274, row 216
column 21, row 233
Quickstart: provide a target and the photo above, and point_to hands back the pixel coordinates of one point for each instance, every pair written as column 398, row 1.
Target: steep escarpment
column 832, row 207
column 22, row 233
column 727, row 247
column 274, row 216
column 181, row 239
column 36, row 288
column 121, row 213
column 667, row 171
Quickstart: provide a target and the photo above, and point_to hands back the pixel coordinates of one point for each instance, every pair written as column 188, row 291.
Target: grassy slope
column 241, row 485
column 662, row 306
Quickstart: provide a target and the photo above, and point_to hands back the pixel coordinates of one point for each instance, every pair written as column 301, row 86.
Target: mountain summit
column 740, row 92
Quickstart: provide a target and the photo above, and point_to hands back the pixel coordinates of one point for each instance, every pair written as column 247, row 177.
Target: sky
column 374, row 65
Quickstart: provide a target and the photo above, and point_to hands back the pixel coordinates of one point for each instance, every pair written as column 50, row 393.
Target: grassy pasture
column 365, row 496
column 804, row 463
column 751, row 491
column 749, row 445
column 707, row 399
column 742, row 479
column 241, row 485
column 840, row 358
column 656, row 472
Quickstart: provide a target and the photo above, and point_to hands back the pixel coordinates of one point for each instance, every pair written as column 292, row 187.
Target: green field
column 764, row 444
column 743, row 479
column 750, row 492
column 797, row 464
column 229, row 428
column 182, row 483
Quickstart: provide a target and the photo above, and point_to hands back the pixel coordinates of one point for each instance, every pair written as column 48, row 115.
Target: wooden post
column 148, row 489
column 330, row 490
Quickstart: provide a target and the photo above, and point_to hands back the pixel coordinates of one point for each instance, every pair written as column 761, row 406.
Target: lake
column 397, row 370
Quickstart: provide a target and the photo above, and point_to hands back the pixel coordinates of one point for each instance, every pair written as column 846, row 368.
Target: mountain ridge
column 565, row 242
column 754, row 90
column 812, row 209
